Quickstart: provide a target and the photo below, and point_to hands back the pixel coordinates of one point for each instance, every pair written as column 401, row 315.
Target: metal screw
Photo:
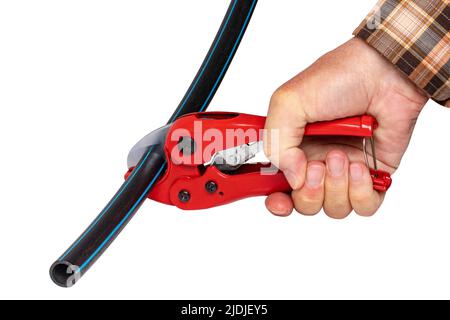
column 211, row 187
column 184, row 196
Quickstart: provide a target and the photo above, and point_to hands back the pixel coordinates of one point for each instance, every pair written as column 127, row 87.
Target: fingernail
column 291, row 177
column 356, row 172
column 314, row 176
column 335, row 164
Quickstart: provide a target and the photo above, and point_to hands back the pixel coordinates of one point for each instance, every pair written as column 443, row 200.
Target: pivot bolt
column 184, row 196
column 211, row 187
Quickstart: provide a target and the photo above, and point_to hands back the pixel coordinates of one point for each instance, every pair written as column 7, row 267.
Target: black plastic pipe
column 83, row 253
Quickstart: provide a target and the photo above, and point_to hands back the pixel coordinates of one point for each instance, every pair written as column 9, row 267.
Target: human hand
column 330, row 173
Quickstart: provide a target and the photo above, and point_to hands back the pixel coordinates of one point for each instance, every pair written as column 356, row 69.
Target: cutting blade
column 233, row 158
column 156, row 137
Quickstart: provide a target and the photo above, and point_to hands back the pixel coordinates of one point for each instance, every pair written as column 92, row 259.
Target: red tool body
column 192, row 142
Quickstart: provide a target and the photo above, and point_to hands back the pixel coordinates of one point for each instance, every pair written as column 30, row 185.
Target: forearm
column 414, row 36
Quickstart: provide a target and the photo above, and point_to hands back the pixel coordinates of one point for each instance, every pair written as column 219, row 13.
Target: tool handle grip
column 361, row 126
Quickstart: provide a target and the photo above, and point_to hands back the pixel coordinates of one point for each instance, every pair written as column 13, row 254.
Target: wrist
column 384, row 76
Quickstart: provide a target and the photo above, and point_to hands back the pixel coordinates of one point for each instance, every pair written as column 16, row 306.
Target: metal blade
column 233, row 158
column 153, row 138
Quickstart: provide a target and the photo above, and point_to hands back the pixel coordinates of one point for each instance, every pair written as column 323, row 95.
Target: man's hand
column 330, row 173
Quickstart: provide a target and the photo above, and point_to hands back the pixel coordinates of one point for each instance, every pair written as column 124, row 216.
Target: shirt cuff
column 414, row 36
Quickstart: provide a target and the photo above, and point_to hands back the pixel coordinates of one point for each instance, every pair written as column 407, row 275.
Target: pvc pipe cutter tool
column 208, row 158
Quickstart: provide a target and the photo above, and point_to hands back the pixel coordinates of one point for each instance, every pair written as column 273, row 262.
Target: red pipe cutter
column 208, row 158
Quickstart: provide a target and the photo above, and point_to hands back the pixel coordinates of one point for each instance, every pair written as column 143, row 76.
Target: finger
column 364, row 200
column 283, row 135
column 337, row 204
column 309, row 199
column 279, row 204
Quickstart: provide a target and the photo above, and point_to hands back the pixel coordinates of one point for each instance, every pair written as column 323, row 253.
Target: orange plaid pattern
column 413, row 35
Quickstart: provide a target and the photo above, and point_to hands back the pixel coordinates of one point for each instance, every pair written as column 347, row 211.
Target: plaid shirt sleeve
column 414, row 36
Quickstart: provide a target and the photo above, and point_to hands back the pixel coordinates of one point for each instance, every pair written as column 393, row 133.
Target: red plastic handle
column 362, row 126
column 381, row 180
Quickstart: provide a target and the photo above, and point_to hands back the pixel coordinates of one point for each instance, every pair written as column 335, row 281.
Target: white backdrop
column 73, row 73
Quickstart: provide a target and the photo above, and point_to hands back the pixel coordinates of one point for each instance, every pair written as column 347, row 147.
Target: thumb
column 285, row 126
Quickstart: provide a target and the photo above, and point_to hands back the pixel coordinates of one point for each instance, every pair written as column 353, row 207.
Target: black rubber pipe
column 83, row 253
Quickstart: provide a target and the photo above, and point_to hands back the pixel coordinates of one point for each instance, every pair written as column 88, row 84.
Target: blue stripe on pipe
column 121, row 190
column 175, row 116
column 117, row 228
column 229, row 57
column 204, row 67
column 147, row 190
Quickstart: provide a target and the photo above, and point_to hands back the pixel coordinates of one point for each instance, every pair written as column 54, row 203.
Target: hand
column 330, row 173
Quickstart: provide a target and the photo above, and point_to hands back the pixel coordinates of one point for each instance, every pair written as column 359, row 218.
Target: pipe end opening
column 64, row 274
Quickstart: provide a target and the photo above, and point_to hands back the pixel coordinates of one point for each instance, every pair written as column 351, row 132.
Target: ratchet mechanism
column 209, row 158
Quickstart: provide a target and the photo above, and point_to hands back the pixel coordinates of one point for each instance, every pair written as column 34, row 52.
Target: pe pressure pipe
column 85, row 251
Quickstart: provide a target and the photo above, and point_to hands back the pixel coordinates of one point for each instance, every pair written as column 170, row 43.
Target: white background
column 72, row 77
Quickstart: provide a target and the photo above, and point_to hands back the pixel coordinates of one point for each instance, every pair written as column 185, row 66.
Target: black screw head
column 184, row 196
column 211, row 187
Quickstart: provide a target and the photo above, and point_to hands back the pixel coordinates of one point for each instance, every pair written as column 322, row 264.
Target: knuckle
column 366, row 209
column 363, row 204
column 308, row 211
column 285, row 96
column 307, row 204
column 359, row 197
column 337, row 210
column 337, row 188
column 366, row 212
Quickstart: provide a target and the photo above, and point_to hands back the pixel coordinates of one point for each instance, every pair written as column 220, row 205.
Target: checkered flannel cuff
column 413, row 35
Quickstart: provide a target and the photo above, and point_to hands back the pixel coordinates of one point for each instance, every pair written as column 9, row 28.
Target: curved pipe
column 83, row 253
